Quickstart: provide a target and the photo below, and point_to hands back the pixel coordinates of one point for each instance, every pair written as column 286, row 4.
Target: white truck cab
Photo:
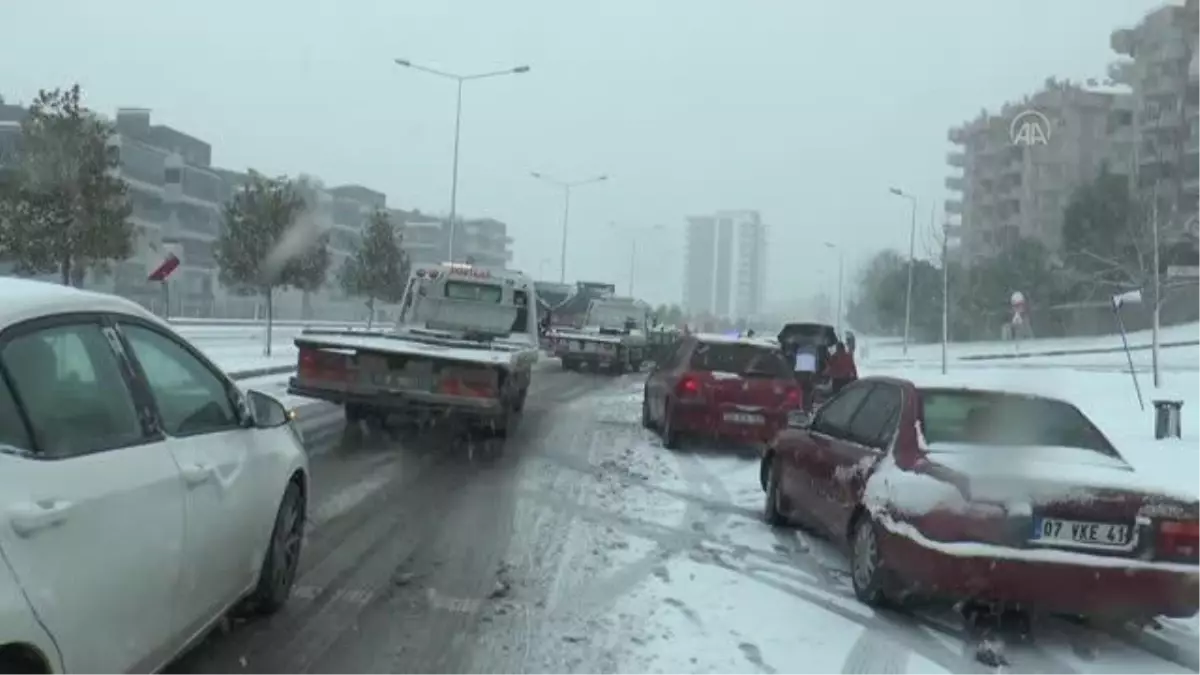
column 498, row 304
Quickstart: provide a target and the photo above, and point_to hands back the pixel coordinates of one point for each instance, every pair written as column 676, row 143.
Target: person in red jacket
column 840, row 368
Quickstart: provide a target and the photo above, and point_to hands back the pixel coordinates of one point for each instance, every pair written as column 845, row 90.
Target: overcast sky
column 805, row 110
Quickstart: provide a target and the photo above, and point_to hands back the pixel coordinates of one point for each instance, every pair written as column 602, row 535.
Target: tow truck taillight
column 1179, row 539
column 688, row 388
column 316, row 364
column 476, row 382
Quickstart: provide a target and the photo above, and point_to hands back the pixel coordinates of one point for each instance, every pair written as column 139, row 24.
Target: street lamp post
column 566, row 187
column 841, row 270
column 459, row 80
column 912, row 252
column 633, row 235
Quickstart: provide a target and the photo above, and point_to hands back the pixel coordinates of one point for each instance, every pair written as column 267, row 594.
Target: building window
column 142, row 163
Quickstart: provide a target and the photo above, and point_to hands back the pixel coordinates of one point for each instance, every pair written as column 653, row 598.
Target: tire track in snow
column 874, row 652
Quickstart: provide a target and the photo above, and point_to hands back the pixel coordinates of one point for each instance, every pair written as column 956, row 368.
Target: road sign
column 1183, row 272
column 164, row 269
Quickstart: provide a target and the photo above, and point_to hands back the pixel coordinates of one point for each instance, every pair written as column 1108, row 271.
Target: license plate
column 372, row 362
column 394, row 381
column 743, row 418
column 1080, row 533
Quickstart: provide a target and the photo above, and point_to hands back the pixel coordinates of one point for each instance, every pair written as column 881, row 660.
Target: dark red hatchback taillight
column 792, row 399
column 688, row 388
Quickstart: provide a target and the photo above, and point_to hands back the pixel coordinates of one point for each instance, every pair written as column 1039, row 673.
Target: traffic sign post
column 160, row 274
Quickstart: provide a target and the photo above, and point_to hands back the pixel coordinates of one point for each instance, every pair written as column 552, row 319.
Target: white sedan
column 143, row 495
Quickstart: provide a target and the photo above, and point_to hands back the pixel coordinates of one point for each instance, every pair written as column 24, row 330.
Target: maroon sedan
column 716, row 386
column 1011, row 500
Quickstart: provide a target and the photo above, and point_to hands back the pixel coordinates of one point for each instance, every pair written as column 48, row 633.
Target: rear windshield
column 468, row 290
column 992, row 418
column 808, row 333
column 742, row 359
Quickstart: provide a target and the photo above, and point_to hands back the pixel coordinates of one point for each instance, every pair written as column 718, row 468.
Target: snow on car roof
column 718, row 338
column 24, row 299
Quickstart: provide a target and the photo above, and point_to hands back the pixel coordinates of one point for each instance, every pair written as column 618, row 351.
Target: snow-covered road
column 588, row 547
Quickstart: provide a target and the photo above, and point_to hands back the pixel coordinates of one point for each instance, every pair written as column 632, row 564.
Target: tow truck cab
column 471, row 299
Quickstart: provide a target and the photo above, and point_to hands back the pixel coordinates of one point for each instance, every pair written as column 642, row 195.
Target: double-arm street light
column 566, row 187
column 912, row 252
column 841, row 269
column 459, row 79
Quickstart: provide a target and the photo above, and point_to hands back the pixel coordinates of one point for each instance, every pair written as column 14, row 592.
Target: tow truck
column 463, row 351
column 613, row 337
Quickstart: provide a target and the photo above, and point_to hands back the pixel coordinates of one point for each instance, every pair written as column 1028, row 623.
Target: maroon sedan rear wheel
column 774, row 505
column 867, row 572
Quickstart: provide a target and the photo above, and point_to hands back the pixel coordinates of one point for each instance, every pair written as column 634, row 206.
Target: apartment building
column 1009, row 186
column 725, row 264
column 1159, row 65
column 485, row 241
column 178, row 199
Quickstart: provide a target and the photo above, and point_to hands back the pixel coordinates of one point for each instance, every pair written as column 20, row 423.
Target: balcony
column 956, row 183
column 1122, row 41
column 954, row 206
column 958, row 159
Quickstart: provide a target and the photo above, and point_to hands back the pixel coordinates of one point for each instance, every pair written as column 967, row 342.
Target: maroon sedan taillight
column 1178, row 539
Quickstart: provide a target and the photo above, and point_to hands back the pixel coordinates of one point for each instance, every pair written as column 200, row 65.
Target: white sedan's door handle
column 196, row 474
column 31, row 517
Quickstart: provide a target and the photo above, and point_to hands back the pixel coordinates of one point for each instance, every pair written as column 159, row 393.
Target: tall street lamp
column 459, row 79
column 633, row 232
column 566, row 187
column 841, row 269
column 912, row 252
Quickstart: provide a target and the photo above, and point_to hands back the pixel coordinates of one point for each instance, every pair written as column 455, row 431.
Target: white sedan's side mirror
column 266, row 411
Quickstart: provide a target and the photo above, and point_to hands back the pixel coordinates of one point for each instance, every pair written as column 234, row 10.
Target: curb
column 1012, row 356
column 1076, row 352
column 252, row 373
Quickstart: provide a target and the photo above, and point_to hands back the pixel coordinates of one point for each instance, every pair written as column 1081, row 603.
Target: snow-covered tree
column 378, row 270
column 64, row 207
column 267, row 243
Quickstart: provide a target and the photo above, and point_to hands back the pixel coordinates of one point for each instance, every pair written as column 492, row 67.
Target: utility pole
column 945, row 293
column 1156, row 298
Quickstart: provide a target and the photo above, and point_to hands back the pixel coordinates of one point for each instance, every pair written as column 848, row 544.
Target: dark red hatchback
column 720, row 387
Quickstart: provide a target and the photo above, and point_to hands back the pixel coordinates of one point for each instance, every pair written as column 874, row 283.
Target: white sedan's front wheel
column 282, row 561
